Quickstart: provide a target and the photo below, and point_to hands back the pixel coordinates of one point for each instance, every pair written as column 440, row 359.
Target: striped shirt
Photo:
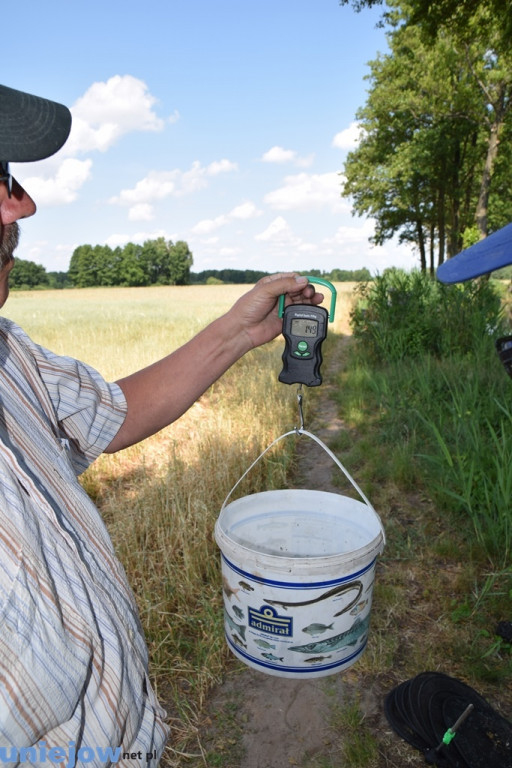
column 73, row 660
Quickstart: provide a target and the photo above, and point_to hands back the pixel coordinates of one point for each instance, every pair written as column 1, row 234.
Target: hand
column 256, row 312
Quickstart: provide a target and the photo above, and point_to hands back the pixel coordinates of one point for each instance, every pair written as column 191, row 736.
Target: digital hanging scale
column 304, row 329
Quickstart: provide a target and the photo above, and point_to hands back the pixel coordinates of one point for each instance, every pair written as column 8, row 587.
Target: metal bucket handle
column 329, row 453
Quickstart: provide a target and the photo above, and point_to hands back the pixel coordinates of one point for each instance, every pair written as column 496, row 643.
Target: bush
column 443, row 395
column 401, row 315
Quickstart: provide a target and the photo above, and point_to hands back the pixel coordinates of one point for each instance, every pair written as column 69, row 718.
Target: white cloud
column 346, row 237
column 279, row 229
column 280, row 233
column 105, row 112
column 280, row 156
column 221, row 166
column 121, row 240
column 62, row 187
column 110, row 109
column 281, row 240
column 158, row 185
column 348, row 138
column 352, row 244
column 306, row 191
column 206, row 226
column 52, row 257
column 196, row 178
column 229, row 253
column 244, row 211
column 155, row 186
column 141, row 212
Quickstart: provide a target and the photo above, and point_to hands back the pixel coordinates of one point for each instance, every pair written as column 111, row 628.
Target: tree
column 58, row 280
column 27, row 274
column 410, row 169
column 155, row 260
column 180, row 262
column 424, row 167
column 459, row 15
column 492, row 71
column 83, row 267
column 93, row 265
column 455, row 15
column 132, row 271
column 235, row 276
column 362, row 275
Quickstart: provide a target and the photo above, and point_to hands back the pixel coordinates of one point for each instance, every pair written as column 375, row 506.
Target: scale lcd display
column 304, row 328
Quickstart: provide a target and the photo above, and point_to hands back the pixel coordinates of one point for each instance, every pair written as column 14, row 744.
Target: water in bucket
column 298, row 569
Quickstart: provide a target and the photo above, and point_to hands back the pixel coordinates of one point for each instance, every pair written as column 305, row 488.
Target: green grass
column 436, row 424
column 360, row 747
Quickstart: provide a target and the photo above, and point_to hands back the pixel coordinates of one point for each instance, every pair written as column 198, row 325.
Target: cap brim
column 489, row 254
column 31, row 128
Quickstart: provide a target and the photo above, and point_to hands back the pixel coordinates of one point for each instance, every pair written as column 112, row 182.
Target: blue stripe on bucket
column 299, row 584
column 296, row 670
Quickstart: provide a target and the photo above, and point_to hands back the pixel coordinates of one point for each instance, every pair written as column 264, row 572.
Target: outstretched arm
column 162, row 392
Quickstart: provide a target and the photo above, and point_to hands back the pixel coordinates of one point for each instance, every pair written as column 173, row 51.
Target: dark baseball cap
column 489, row 254
column 31, row 128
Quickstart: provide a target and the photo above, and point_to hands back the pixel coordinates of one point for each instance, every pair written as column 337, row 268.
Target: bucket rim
column 292, row 491
column 376, row 545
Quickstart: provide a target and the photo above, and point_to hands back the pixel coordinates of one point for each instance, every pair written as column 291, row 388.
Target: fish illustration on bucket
column 298, row 569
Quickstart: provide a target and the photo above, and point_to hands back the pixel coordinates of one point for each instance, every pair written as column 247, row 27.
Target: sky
column 224, row 123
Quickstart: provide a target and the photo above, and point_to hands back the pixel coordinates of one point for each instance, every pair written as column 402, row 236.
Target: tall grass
column 444, row 400
column 471, row 459
column 433, row 450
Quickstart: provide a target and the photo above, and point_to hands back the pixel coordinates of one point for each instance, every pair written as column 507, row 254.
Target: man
column 73, row 661
column 489, row 254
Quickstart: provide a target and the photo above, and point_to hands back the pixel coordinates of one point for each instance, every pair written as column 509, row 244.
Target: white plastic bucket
column 298, row 568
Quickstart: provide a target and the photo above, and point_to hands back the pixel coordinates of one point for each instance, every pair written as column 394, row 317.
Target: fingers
column 296, row 286
column 291, row 279
column 309, row 296
column 291, row 283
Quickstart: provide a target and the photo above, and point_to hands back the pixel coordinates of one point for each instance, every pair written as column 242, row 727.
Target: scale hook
column 300, row 429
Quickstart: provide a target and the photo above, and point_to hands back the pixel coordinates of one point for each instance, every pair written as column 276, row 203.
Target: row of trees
column 236, row 276
column 433, row 164
column 240, row 276
column 156, row 262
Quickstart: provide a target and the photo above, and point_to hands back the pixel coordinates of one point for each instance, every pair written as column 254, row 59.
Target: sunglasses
column 504, row 349
column 6, row 176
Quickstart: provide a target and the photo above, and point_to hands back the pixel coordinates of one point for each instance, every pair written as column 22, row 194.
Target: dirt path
column 260, row 721
column 281, row 722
